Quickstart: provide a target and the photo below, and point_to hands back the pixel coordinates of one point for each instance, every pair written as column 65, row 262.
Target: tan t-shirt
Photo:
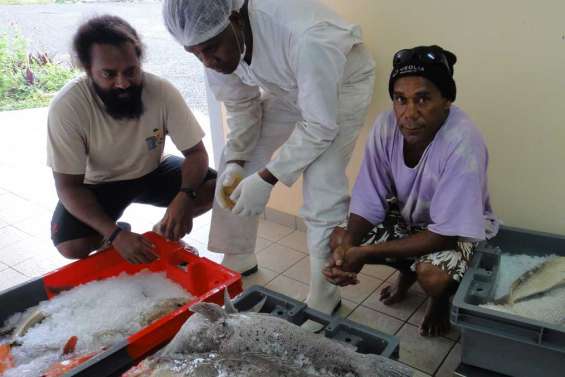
column 82, row 138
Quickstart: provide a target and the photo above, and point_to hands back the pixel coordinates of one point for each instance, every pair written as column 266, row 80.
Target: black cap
column 432, row 62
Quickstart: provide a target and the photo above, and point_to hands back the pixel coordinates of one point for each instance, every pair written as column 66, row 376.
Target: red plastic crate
column 202, row 278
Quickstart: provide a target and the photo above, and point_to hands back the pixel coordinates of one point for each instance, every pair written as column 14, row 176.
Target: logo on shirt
column 155, row 140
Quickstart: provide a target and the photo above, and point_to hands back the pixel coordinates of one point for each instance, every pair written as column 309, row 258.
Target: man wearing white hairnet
column 293, row 75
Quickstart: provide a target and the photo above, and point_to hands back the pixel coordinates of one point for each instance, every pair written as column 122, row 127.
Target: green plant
column 27, row 80
column 24, row 2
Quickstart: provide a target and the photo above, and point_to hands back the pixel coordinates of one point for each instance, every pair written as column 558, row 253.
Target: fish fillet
column 545, row 277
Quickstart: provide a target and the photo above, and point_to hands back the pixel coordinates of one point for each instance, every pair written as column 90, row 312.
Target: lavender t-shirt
column 445, row 192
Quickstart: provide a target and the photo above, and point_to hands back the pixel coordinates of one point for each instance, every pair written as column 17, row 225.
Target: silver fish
column 213, row 330
column 26, row 321
column 539, row 280
column 215, row 365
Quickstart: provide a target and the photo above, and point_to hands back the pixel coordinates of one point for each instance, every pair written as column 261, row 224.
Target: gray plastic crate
column 365, row 339
column 470, row 371
column 502, row 342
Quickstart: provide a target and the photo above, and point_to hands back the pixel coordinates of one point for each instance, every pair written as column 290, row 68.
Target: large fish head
column 202, row 332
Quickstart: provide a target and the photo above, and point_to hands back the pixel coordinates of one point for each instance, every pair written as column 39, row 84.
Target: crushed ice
column 99, row 313
column 549, row 308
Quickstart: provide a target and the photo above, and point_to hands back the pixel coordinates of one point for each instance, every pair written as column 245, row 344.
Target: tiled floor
column 27, row 197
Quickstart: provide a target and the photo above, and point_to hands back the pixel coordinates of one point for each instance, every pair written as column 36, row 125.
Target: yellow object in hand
column 228, row 190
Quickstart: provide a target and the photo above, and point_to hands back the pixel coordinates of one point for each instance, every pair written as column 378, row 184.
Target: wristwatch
column 188, row 191
column 113, row 235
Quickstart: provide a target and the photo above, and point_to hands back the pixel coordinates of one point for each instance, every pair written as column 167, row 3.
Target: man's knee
column 77, row 249
column 433, row 280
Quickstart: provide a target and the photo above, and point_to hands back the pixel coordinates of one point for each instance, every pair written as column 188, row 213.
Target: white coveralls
column 306, row 91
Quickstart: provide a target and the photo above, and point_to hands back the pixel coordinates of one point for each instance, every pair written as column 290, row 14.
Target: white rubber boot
column 323, row 296
column 245, row 264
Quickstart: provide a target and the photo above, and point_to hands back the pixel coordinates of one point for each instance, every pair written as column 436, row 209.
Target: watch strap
column 189, row 191
column 113, row 235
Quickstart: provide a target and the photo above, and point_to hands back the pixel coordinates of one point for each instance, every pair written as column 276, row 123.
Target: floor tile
column 296, row 240
column 37, row 226
column 451, row 362
column 261, row 244
column 346, row 308
column 301, row 225
column 10, row 235
column 9, row 200
column 14, row 209
column 51, row 252
column 425, row 354
column 418, row 316
column 280, row 218
column 26, row 248
column 202, row 220
column 10, row 278
column 262, row 277
column 141, row 224
column 201, row 235
column 378, row 271
column 375, row 320
column 38, row 266
column 414, row 289
column 358, row 293
column 289, row 287
column 401, row 310
column 203, row 250
column 300, row 271
column 417, row 289
column 279, row 258
column 273, row 232
column 142, row 217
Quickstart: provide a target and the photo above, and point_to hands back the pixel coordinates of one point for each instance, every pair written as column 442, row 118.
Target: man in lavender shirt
column 420, row 202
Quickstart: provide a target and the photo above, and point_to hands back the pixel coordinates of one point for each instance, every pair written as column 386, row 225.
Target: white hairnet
column 192, row 22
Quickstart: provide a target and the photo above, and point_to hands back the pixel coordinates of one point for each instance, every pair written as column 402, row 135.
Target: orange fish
column 60, row 368
column 6, row 358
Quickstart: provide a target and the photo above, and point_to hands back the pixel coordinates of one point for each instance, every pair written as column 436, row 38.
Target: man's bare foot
column 436, row 319
column 392, row 294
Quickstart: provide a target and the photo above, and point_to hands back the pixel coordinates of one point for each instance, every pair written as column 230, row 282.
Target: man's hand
column 177, row 221
column 340, row 242
column 251, row 196
column 352, row 261
column 335, row 275
column 226, row 184
column 340, row 277
column 134, row 248
column 342, row 268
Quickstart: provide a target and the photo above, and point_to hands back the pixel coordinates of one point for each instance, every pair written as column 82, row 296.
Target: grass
column 26, row 80
column 26, row 2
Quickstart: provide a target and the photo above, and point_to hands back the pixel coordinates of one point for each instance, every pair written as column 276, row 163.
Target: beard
column 122, row 103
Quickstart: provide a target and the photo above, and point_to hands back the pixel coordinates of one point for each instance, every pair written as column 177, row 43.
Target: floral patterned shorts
column 454, row 262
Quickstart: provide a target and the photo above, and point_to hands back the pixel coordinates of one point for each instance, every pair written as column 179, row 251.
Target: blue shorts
column 157, row 188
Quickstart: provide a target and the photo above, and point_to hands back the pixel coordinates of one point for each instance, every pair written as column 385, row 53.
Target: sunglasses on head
column 407, row 55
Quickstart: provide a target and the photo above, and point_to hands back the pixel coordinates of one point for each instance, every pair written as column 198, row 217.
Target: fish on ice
column 215, row 333
column 547, row 276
